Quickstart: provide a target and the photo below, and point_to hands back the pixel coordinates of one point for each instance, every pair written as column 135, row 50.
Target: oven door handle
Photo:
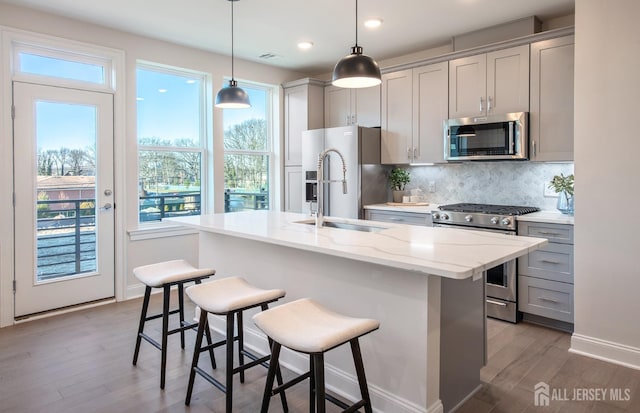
column 496, row 303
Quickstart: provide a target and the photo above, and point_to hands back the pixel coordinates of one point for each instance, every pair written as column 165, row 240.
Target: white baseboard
column 606, row 351
column 337, row 381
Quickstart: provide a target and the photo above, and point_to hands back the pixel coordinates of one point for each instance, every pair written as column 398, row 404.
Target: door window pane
column 65, row 210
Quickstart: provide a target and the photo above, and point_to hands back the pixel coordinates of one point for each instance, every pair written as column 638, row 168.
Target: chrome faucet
column 321, row 181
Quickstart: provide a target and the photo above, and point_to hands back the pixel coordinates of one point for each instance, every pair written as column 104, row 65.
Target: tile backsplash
column 507, row 183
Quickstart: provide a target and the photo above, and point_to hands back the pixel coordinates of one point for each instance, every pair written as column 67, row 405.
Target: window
column 171, row 139
column 248, row 152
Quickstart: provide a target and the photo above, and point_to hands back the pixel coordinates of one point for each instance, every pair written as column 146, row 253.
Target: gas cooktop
column 489, row 209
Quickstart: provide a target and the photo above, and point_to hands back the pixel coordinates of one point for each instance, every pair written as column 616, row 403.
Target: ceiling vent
column 268, row 56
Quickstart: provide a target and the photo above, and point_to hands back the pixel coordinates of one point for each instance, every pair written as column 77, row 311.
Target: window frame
column 52, row 52
column 269, row 152
column 203, row 145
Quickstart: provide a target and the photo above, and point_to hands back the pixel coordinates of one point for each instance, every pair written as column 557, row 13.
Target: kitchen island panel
column 401, row 358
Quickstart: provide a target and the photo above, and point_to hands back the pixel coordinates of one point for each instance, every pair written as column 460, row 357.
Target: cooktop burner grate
column 489, row 209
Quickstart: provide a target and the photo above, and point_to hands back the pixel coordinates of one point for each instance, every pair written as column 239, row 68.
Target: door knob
column 106, row 207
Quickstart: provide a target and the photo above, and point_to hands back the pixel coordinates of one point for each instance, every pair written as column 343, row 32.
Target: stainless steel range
column 501, row 288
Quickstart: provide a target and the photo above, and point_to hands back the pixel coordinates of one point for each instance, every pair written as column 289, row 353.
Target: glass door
column 63, row 185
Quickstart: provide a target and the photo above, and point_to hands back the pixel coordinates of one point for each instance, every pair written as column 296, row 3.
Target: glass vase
column 565, row 203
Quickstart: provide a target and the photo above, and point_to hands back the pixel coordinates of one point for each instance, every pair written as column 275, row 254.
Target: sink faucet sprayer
column 321, row 181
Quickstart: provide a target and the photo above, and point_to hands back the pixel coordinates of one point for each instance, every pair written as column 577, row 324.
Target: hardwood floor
column 81, row 362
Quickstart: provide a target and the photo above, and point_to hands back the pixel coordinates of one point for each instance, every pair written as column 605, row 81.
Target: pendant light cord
column 232, row 64
column 356, row 23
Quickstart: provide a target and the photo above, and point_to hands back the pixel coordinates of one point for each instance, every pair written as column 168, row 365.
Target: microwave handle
column 512, row 126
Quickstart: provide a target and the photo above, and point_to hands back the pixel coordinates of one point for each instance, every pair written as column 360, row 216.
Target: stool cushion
column 161, row 273
column 229, row 294
column 306, row 326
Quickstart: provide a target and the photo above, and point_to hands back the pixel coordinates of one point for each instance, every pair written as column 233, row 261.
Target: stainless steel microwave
column 495, row 137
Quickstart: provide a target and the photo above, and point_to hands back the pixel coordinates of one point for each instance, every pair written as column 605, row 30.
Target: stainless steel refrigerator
column 366, row 178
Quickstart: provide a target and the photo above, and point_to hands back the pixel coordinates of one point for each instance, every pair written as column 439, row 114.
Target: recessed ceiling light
column 373, row 23
column 162, row 90
column 191, row 81
column 139, row 98
column 305, row 45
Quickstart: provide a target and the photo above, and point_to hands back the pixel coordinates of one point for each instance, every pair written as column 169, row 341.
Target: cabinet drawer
column 553, row 262
column 561, row 233
column 409, row 218
column 546, row 298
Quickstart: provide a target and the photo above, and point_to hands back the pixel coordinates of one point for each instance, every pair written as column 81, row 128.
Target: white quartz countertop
column 419, row 209
column 549, row 217
column 545, row 216
column 445, row 252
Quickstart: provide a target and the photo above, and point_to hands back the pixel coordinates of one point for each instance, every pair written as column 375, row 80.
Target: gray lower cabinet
column 545, row 276
column 398, row 217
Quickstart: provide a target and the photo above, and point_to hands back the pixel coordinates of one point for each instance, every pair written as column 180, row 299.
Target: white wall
column 607, row 266
column 135, row 48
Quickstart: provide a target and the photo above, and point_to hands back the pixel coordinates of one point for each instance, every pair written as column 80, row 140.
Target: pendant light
column 356, row 70
column 232, row 97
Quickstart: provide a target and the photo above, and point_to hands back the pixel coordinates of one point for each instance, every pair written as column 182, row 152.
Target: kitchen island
column 424, row 285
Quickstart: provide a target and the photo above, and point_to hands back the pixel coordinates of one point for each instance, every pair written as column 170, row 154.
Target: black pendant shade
column 356, row 70
column 232, row 97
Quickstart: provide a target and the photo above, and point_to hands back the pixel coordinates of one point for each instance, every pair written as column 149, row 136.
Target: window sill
column 159, row 231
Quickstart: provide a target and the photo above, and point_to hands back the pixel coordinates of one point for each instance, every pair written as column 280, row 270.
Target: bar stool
column 165, row 275
column 229, row 297
column 307, row 327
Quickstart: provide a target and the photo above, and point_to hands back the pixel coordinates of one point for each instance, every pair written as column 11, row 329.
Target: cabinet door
column 293, row 189
column 508, row 80
column 337, row 106
column 430, row 110
column 397, row 117
column 551, row 115
column 296, row 121
column 367, row 106
column 468, row 86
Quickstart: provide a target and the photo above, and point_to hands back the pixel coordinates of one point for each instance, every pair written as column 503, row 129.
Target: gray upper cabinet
column 490, row 83
column 430, row 110
column 414, row 106
column 343, row 107
column 303, row 110
column 397, row 117
column 551, row 115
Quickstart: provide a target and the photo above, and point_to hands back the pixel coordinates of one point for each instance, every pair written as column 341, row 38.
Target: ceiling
column 275, row 27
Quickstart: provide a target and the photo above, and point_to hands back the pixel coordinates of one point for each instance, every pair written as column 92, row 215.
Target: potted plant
column 398, row 179
column 563, row 186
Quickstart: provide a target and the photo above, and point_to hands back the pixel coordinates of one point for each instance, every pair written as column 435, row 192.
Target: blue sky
column 54, row 130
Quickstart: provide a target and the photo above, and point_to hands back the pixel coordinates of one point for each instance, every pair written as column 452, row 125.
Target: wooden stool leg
column 273, row 366
column 240, row 344
column 209, row 339
column 312, row 386
column 202, row 325
column 165, row 333
column 318, row 366
column 229, row 367
column 143, row 317
column 362, row 380
column 181, row 311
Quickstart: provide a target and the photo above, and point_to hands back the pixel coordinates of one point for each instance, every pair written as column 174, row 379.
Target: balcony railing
column 156, row 207
column 241, row 201
column 66, row 238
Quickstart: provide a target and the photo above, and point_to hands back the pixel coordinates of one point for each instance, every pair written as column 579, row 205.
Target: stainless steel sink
column 344, row 225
